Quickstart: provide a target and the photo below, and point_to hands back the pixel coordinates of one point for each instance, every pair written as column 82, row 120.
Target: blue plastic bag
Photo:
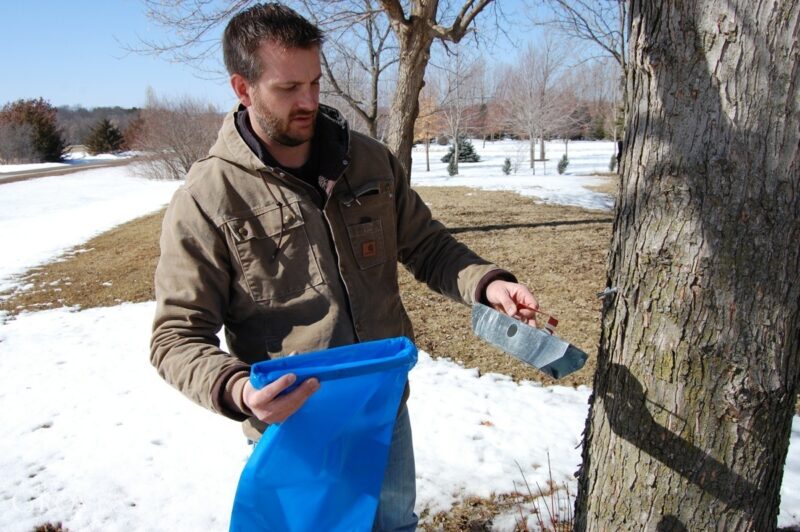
column 322, row 469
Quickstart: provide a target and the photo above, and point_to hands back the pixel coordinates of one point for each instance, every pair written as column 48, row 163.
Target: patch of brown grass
column 610, row 185
column 50, row 527
column 559, row 252
column 113, row 267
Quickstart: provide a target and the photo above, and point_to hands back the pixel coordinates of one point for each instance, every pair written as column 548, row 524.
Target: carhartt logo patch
column 369, row 249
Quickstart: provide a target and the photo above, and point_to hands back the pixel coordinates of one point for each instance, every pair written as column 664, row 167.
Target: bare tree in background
column 601, row 22
column 17, row 144
column 416, row 25
column 530, row 99
column 458, row 82
column 358, row 50
column 429, row 122
column 174, row 134
column 599, row 84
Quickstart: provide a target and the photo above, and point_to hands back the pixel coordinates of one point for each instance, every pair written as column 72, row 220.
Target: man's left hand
column 513, row 299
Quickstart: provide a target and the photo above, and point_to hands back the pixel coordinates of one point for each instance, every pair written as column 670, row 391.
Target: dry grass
column 609, row 186
column 557, row 251
column 113, row 267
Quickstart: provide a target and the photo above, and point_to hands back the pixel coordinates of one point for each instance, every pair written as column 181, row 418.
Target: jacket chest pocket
column 275, row 253
column 368, row 216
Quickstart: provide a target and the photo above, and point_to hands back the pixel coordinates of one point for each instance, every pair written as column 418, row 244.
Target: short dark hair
column 272, row 21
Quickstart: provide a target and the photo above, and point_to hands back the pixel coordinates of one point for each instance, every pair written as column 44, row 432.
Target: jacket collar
column 332, row 133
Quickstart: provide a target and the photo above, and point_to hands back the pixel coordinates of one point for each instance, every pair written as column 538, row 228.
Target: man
column 288, row 234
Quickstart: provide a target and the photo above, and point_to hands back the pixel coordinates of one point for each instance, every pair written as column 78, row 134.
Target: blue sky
column 72, row 53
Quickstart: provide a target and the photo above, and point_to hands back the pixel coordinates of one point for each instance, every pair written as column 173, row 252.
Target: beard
column 279, row 129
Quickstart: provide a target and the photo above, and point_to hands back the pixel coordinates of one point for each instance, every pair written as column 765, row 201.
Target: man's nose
column 309, row 99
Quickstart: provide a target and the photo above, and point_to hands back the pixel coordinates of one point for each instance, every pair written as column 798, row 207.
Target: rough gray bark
column 415, row 46
column 699, row 356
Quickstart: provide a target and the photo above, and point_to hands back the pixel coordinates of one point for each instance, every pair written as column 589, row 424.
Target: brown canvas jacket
column 245, row 247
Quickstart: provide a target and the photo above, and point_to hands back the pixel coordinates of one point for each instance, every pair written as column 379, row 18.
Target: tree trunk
column 427, row 154
column 533, row 151
column 699, row 356
column 415, row 45
column 541, row 147
column 455, row 153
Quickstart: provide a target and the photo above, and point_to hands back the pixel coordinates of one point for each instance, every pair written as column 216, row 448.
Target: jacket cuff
column 486, row 280
column 223, row 393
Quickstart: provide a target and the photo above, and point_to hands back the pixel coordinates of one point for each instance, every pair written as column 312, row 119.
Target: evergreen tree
column 104, row 137
column 452, row 167
column 507, row 166
column 466, row 152
column 562, row 164
column 598, row 127
column 47, row 140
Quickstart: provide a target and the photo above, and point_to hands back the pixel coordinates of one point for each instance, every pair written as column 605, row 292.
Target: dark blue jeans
column 399, row 490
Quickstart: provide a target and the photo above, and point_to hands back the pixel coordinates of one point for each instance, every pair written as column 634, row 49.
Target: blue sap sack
column 322, row 469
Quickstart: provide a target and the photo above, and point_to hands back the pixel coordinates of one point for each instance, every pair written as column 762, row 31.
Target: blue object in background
column 322, row 469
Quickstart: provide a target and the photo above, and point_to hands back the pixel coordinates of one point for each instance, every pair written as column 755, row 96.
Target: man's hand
column 268, row 407
column 513, row 299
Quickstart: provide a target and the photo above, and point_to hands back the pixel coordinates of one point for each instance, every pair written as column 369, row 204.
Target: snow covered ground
column 72, row 159
column 547, row 185
column 93, row 438
column 42, row 218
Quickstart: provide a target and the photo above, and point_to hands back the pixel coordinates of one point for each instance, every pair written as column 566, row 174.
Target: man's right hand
column 268, row 407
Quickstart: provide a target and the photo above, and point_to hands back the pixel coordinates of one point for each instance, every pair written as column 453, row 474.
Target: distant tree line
column 170, row 133
column 32, row 130
column 29, row 132
column 77, row 122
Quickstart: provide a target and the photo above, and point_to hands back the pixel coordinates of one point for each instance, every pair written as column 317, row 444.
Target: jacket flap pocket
column 268, row 224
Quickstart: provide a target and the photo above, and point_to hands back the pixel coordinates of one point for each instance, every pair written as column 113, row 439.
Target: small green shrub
column 105, row 137
column 452, row 166
column 466, row 152
column 507, row 166
column 562, row 164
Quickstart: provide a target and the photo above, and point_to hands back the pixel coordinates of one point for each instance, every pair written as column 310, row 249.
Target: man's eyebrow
column 295, row 81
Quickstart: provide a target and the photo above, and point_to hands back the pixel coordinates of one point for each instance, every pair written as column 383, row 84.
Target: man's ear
column 242, row 89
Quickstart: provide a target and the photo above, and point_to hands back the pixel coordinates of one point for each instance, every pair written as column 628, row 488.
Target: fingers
column 268, row 406
column 271, row 390
column 528, row 315
column 505, row 304
column 514, row 300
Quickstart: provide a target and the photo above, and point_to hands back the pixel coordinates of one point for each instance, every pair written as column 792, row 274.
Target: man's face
column 284, row 101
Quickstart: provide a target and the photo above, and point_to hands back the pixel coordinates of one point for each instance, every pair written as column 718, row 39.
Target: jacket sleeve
column 431, row 253
column 192, row 292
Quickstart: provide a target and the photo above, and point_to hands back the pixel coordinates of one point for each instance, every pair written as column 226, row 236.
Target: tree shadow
column 670, row 523
column 706, row 153
column 630, row 420
column 503, row 227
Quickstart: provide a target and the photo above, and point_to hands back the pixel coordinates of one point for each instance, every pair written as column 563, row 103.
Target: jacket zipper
column 289, row 177
column 338, row 262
